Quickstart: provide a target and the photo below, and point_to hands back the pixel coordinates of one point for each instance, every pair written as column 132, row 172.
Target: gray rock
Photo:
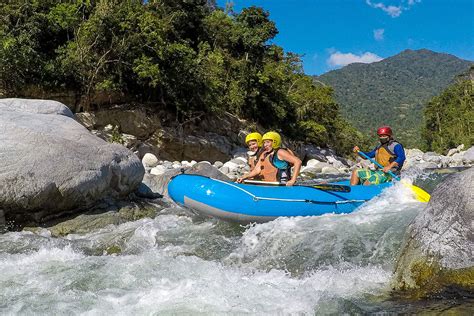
column 149, row 160
column 414, row 153
column 457, row 160
column 322, row 165
column 218, row 164
column 432, row 157
column 232, row 166
column 335, row 162
column 312, row 162
column 50, row 164
column 426, row 165
column 240, row 152
column 330, row 170
column 468, row 156
column 451, row 152
column 313, row 152
column 87, row 119
column 144, row 191
column 158, row 170
column 239, row 161
column 438, row 250
column 444, row 162
column 2, row 221
column 311, row 170
column 35, row 107
column 159, row 183
column 224, row 170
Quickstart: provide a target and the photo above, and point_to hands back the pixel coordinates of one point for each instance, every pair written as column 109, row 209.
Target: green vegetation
column 188, row 57
column 393, row 91
column 449, row 117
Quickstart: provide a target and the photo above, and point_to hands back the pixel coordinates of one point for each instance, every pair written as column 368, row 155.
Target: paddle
column 319, row 186
column 420, row 194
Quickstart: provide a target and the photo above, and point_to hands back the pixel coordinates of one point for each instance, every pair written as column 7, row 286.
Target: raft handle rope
column 258, row 198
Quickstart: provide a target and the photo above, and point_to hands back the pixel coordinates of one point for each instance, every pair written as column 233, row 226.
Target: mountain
column 393, row 91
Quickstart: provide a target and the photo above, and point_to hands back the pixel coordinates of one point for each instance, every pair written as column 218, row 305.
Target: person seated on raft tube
column 389, row 153
column 274, row 163
column 254, row 143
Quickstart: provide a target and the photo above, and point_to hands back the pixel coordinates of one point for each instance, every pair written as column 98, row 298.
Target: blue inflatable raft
column 246, row 203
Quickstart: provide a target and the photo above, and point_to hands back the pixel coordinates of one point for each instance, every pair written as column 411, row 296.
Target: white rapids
column 178, row 263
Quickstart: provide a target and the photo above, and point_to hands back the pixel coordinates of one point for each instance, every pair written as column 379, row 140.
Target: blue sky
column 333, row 33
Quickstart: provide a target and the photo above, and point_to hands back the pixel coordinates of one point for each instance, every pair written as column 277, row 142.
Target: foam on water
column 175, row 263
column 62, row 280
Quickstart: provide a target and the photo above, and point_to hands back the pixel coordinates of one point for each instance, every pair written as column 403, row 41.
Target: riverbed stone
column 232, row 166
column 457, row 160
column 438, row 250
column 149, row 160
column 330, row 170
column 426, row 165
column 432, row 157
column 160, row 169
column 414, row 153
column 468, row 156
column 50, row 164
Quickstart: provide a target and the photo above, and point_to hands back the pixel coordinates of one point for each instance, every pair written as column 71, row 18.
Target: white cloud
column 379, row 34
column 339, row 59
column 393, row 10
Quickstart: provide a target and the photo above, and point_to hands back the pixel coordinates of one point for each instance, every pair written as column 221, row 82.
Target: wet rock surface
column 438, row 251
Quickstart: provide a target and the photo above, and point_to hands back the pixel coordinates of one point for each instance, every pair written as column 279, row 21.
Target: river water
column 180, row 263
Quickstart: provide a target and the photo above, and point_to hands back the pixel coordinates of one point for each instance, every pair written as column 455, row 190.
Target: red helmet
column 384, row 130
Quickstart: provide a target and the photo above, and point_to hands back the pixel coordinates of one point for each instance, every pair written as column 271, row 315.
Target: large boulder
column 50, row 164
column 438, row 251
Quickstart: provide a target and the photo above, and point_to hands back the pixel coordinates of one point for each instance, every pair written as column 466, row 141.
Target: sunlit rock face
column 51, row 164
column 439, row 245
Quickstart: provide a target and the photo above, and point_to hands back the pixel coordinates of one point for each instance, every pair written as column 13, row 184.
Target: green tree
column 449, row 117
column 187, row 57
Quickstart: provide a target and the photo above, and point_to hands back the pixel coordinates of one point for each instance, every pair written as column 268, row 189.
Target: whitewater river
column 180, row 263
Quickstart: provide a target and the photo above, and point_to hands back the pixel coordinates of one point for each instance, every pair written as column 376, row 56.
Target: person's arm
column 288, row 157
column 400, row 153
column 371, row 154
column 252, row 173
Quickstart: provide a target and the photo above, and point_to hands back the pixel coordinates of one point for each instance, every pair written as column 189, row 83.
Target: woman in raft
column 274, row 163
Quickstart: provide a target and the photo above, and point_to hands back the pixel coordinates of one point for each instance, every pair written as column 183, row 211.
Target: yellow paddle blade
column 420, row 194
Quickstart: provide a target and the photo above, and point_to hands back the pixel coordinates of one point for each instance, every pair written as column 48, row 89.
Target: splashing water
column 179, row 263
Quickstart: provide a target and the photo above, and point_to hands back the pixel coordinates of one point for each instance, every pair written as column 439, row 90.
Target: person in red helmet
column 389, row 153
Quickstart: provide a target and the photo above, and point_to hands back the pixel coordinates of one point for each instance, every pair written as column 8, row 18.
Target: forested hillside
column 394, row 90
column 188, row 57
column 449, row 117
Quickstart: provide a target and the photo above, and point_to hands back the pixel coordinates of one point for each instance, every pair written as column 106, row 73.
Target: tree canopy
column 188, row 57
column 449, row 117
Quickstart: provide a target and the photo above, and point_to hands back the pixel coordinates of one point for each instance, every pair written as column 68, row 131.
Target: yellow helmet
column 254, row 136
column 273, row 136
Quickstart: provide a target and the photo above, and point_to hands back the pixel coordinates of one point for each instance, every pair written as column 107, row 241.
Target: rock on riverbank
column 50, row 164
column 438, row 251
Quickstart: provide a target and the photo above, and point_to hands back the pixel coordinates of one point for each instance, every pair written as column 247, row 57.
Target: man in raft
column 274, row 163
column 389, row 153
